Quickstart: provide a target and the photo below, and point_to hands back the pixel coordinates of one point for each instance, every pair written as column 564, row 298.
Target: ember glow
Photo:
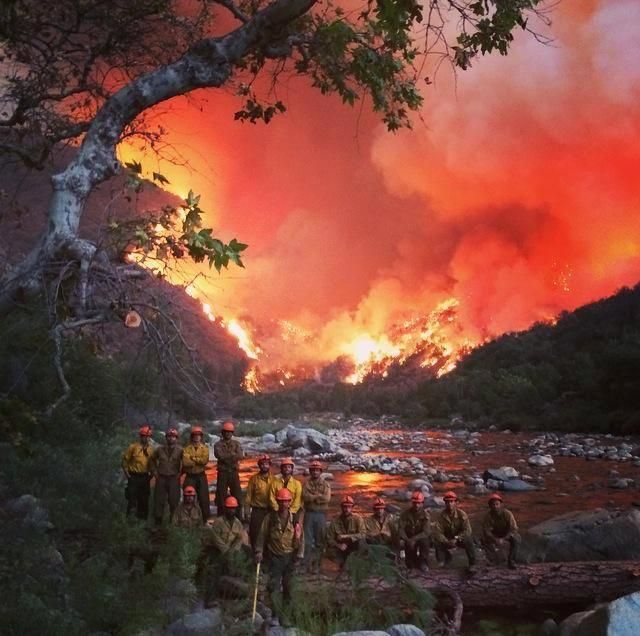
column 515, row 197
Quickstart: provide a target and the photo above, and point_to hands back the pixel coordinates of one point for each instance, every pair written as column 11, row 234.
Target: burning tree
column 87, row 73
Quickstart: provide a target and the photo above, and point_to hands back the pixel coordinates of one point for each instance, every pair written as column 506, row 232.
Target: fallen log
column 539, row 584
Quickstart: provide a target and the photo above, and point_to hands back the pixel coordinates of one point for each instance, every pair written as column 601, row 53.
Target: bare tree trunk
column 209, row 63
column 539, row 584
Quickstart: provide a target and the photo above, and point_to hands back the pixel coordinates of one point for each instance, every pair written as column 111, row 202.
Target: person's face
column 229, row 512
column 495, row 504
column 417, row 505
column 286, row 470
column 314, row 473
column 196, row 438
column 144, row 440
column 284, row 504
column 171, row 440
column 264, row 467
column 189, row 500
column 378, row 512
column 450, row 504
column 227, row 435
column 347, row 510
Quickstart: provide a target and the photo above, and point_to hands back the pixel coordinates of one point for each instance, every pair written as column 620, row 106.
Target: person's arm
column 126, row 459
column 332, row 535
column 217, row 536
column 465, row 531
column 308, row 497
column 438, row 531
column 487, row 527
column 188, row 458
column 272, row 495
column 219, row 451
column 238, row 453
column 296, row 500
column 248, row 497
column 513, row 526
column 263, row 533
column 359, row 530
column 425, row 529
column 298, row 541
column 202, row 457
column 325, row 496
column 402, row 530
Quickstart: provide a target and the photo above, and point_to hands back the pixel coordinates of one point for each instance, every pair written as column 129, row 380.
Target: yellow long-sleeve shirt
column 136, row 458
column 447, row 526
column 187, row 516
column 258, row 491
column 195, row 458
column 293, row 486
column 499, row 523
column 352, row 527
column 226, row 535
column 316, row 494
column 279, row 536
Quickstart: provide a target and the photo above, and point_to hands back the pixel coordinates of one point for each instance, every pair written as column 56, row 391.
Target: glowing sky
column 517, row 192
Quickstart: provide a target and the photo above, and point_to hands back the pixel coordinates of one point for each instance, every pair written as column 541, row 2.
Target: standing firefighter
column 135, row 465
column 414, row 533
column 286, row 480
column 166, row 465
column 451, row 530
column 188, row 514
column 499, row 527
column 346, row 532
column 195, row 457
column 281, row 543
column 228, row 452
column 316, row 495
column 378, row 526
column 256, row 500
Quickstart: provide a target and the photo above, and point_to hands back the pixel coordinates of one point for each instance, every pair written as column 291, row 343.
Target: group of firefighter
column 287, row 520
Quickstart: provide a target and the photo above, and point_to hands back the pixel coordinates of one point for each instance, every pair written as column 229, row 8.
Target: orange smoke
column 516, row 194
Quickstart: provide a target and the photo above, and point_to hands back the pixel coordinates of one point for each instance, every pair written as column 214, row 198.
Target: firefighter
column 228, row 452
column 316, row 495
column 378, row 527
column 499, row 527
column 223, row 543
column 135, row 465
column 188, row 514
column 281, row 543
column 256, row 500
column 286, row 480
column 346, row 532
column 195, row 457
column 451, row 530
column 166, row 465
column 414, row 530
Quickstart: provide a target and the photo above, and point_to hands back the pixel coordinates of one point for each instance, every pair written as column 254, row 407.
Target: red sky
column 517, row 192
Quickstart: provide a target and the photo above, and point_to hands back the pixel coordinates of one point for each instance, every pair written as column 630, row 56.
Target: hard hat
column 379, row 503
column 264, row 458
column 172, row 432
column 283, row 495
column 230, row 502
column 495, row 497
column 189, row 491
column 450, row 495
column 228, row 426
column 196, row 430
column 417, row 496
column 347, row 501
column 286, row 460
column 145, row 431
column 315, row 464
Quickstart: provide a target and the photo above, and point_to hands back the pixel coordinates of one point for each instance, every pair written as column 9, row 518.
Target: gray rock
column 31, row 510
column 202, row 623
column 549, row 628
column 540, row 460
column 364, row 632
column 516, row 485
column 592, row 535
column 621, row 484
column 404, row 630
column 283, row 433
column 268, row 438
column 500, row 474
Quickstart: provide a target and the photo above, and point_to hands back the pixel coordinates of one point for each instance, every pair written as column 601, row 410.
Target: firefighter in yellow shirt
column 286, row 480
column 346, row 533
column 500, row 527
column 256, row 499
column 135, row 465
column 452, row 529
column 195, row 457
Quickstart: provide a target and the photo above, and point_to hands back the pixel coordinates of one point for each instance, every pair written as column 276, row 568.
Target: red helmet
column 283, row 495
column 450, row 495
column 189, row 491
column 172, row 432
column 286, row 460
column 495, row 497
column 144, row 431
column 228, row 426
column 347, row 501
column 379, row 503
column 230, row 502
column 417, row 496
column 315, row 464
column 264, row 458
column 196, row 430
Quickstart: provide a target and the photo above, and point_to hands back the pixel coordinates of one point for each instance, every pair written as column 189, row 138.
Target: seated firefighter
column 499, row 527
column 414, row 529
column 188, row 513
column 452, row 529
column 346, row 532
column 379, row 525
column 224, row 544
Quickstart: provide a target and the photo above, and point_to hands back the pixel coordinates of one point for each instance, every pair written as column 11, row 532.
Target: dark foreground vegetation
column 580, row 374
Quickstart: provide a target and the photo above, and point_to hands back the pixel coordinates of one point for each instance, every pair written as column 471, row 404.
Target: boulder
column 592, row 535
column 31, row 510
column 404, row 630
column 516, row 485
column 268, row 438
column 202, row 623
column 500, row 474
column 540, row 460
column 318, row 442
column 618, row 618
